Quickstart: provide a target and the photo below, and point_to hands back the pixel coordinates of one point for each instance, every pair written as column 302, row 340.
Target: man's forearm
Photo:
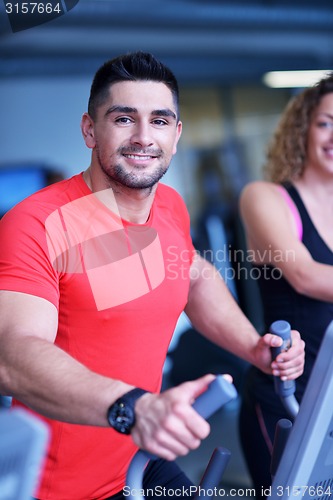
column 49, row 381
column 214, row 312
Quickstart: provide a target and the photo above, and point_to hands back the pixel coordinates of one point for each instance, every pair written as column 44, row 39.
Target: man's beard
column 138, row 178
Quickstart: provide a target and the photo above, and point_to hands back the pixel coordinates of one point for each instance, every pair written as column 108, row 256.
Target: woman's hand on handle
column 288, row 365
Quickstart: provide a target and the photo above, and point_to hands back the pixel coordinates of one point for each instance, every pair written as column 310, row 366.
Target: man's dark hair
column 134, row 66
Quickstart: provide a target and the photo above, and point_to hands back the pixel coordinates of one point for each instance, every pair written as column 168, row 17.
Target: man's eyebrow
column 164, row 112
column 120, row 109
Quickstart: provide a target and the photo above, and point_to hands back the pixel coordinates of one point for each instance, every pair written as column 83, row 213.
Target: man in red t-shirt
column 94, row 272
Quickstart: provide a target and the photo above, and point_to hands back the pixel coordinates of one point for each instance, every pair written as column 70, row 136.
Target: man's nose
column 142, row 135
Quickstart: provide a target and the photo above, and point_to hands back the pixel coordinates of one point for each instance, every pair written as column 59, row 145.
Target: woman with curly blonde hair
column 287, row 153
column 288, row 222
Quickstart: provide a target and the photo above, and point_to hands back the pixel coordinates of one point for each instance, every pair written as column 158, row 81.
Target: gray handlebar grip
column 218, row 393
column 283, row 330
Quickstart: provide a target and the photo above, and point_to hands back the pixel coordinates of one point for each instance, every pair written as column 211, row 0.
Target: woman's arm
column 272, row 237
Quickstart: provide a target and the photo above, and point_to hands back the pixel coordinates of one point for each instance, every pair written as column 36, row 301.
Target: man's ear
column 87, row 129
column 178, row 134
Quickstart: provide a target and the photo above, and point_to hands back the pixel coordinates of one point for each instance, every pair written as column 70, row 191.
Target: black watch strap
column 132, row 395
column 121, row 414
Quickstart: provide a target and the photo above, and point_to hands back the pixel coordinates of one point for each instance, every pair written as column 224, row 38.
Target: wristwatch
column 121, row 414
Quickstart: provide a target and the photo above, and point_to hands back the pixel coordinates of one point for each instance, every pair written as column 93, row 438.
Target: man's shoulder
column 61, row 192
column 166, row 193
column 169, row 201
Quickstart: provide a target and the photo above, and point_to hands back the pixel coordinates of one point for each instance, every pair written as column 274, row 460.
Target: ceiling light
column 292, row 79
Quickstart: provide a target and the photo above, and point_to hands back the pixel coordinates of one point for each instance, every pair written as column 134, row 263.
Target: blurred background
column 220, row 52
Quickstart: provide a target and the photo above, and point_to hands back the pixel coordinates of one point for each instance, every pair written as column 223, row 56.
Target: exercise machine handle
column 218, row 393
column 282, row 432
column 284, row 389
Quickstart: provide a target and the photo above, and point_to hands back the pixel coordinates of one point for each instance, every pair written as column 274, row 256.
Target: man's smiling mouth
column 140, row 154
column 139, row 157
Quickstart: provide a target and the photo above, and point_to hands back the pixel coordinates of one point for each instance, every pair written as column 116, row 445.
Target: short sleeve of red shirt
column 24, row 260
column 25, row 264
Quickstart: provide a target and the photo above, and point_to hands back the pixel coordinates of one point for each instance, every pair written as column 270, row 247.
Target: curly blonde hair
column 287, row 151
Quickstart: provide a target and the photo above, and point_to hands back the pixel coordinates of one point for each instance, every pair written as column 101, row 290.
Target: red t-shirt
column 119, row 289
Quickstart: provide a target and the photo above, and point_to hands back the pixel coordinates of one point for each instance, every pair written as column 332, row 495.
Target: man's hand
column 289, row 364
column 167, row 425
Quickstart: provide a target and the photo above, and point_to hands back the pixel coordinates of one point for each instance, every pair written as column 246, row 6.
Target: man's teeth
column 139, row 157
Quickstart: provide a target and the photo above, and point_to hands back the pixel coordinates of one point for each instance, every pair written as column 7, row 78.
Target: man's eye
column 159, row 122
column 123, row 119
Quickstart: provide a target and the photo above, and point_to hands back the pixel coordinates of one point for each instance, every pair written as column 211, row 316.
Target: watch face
column 121, row 417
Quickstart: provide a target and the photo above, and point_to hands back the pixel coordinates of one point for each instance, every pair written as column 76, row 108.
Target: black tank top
column 280, row 301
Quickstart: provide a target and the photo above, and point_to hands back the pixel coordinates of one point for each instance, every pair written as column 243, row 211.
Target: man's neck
column 133, row 205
